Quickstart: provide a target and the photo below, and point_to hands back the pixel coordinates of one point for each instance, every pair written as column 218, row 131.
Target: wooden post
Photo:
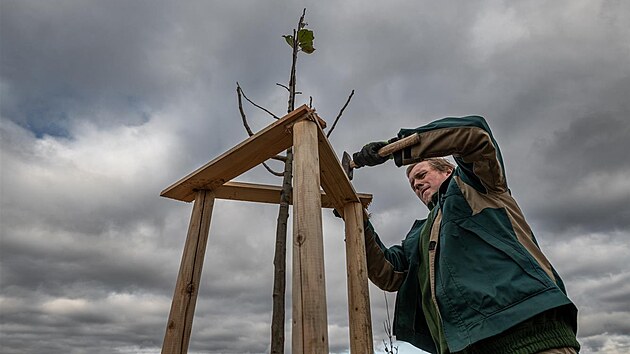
column 180, row 318
column 358, row 291
column 310, row 323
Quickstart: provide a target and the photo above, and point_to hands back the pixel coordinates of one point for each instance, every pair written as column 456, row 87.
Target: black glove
column 398, row 157
column 368, row 156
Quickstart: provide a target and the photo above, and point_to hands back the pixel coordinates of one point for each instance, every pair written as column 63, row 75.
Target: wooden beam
column 310, row 323
column 333, row 178
column 361, row 340
column 256, row 149
column 261, row 193
column 180, row 319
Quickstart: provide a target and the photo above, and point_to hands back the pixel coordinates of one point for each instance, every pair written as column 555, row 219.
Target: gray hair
column 438, row 163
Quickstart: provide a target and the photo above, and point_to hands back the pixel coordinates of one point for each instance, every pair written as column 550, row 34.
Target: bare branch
column 387, row 326
column 279, row 174
column 292, row 79
column 340, row 113
column 387, row 308
column 279, row 158
column 302, row 24
column 281, row 85
column 240, row 108
column 255, row 105
column 240, row 93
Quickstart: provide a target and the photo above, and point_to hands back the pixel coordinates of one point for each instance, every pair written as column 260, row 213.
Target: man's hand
column 368, row 156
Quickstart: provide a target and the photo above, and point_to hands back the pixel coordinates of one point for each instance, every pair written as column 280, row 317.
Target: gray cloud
column 62, row 59
column 104, row 104
column 588, row 160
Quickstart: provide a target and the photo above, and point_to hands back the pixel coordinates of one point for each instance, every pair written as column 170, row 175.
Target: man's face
column 425, row 180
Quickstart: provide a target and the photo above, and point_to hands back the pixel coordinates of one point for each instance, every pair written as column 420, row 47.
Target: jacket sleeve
column 387, row 267
column 472, row 145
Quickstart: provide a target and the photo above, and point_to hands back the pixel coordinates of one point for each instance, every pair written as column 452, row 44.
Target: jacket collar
column 436, row 199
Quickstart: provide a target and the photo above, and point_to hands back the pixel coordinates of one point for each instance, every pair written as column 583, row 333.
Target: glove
column 368, row 156
column 398, row 158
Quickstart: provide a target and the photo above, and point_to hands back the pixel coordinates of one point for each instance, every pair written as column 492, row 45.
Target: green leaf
column 289, row 39
column 307, row 49
column 305, row 36
column 305, row 40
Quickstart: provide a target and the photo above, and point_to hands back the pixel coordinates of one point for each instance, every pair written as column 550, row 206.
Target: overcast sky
column 106, row 103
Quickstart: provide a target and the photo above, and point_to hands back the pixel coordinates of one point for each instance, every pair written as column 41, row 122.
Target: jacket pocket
column 481, row 273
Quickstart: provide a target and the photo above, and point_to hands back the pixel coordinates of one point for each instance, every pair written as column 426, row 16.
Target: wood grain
column 361, row 340
column 310, row 320
column 262, row 193
column 180, row 319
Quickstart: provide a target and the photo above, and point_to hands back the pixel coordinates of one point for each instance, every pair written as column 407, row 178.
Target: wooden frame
column 315, row 165
column 262, row 193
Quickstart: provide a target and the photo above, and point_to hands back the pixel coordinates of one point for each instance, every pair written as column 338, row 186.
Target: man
column 471, row 277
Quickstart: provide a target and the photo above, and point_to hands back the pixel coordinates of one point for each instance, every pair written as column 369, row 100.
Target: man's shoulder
column 414, row 232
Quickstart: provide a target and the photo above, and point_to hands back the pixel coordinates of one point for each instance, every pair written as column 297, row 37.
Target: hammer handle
column 395, row 146
column 399, row 145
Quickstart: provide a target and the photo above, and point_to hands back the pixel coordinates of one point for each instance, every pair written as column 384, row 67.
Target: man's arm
column 387, row 267
column 471, row 143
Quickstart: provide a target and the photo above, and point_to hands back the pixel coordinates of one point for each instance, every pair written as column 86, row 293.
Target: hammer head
column 346, row 163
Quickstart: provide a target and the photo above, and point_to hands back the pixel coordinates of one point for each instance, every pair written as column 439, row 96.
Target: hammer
column 349, row 165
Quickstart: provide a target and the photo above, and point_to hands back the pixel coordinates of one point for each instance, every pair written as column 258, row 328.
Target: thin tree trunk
column 279, row 259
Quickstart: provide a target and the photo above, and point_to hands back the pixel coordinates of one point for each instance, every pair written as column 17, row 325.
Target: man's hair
column 438, row 163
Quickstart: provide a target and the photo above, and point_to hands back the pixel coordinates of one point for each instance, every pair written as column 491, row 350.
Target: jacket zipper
column 433, row 243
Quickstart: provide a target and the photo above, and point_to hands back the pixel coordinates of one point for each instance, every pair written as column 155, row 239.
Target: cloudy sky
column 106, row 103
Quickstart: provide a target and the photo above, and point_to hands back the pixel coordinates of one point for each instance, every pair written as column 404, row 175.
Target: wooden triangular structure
column 315, row 165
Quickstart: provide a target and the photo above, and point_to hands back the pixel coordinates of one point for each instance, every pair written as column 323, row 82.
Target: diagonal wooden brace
column 180, row 319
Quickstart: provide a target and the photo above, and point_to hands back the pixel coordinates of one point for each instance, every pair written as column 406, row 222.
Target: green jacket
column 487, row 272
